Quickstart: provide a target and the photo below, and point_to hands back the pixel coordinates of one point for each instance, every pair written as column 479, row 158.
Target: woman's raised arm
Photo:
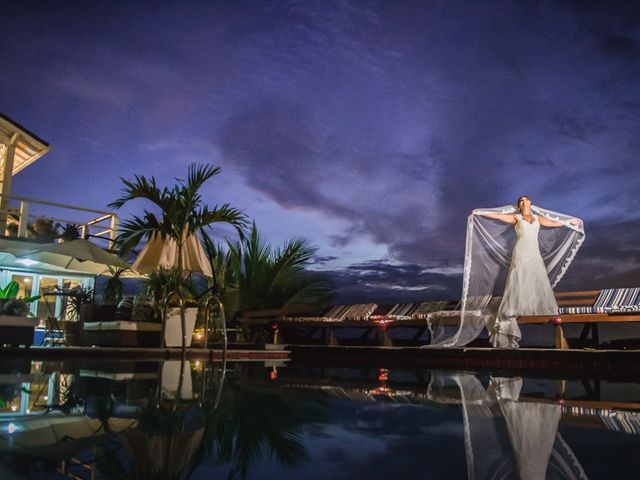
column 550, row 223
column 503, row 217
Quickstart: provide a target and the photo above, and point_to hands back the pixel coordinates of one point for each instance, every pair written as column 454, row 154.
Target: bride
column 528, row 289
column 517, row 252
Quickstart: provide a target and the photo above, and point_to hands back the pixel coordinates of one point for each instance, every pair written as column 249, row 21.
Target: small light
column 11, row 428
column 14, row 408
column 27, row 280
column 28, row 411
column 556, row 320
column 45, row 398
column 27, row 262
column 197, row 364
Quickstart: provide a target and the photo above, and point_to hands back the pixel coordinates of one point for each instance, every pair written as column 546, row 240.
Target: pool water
column 277, row 421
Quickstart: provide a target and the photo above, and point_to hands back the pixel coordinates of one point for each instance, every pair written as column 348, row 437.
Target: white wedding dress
column 533, row 259
column 527, row 290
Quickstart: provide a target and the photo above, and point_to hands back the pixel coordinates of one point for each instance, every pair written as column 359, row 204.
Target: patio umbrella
column 74, row 255
column 164, row 253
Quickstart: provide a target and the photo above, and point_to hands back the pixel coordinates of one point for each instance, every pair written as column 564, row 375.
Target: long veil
column 486, row 264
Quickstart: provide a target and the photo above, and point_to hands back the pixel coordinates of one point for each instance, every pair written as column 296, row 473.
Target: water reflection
column 504, row 437
column 149, row 420
column 195, row 420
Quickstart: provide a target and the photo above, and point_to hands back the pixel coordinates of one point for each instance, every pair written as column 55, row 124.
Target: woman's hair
column 520, row 198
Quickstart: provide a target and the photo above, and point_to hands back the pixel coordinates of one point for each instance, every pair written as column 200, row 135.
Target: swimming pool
column 287, row 421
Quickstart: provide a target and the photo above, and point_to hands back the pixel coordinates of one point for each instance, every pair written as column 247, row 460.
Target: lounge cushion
column 608, row 299
column 359, row 311
column 333, row 314
column 123, row 325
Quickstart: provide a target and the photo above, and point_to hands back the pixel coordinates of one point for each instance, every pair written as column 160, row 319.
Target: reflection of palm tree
column 163, row 445
column 251, row 426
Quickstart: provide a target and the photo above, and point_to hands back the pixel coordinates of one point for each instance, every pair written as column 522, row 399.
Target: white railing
column 22, row 212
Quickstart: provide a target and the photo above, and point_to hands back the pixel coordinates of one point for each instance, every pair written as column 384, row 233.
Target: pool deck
column 238, row 353
column 570, row 363
column 574, row 363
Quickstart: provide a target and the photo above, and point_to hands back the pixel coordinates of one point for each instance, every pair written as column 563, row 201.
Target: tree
column 182, row 210
column 253, row 276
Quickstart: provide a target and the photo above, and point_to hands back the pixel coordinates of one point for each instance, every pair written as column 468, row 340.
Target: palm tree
column 253, row 276
column 182, row 211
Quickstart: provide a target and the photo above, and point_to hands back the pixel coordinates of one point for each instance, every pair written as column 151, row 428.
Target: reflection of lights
column 197, row 364
column 383, row 375
column 27, row 262
column 14, row 408
column 12, row 427
column 389, row 392
column 27, row 280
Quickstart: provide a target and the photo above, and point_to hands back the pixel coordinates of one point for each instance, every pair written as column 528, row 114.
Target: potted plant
column 112, row 294
column 16, row 327
column 70, row 231
column 159, row 283
column 44, row 230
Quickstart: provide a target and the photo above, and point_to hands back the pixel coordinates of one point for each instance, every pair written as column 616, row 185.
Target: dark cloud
column 387, row 121
column 320, row 260
column 622, row 46
column 381, row 282
column 610, row 257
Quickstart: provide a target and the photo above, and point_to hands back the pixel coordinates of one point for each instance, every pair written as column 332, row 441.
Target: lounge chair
column 612, row 305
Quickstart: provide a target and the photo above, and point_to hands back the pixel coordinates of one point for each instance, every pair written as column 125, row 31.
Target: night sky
column 370, row 128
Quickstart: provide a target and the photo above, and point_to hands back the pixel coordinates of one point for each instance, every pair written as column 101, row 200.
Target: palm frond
column 135, row 230
column 225, row 214
column 144, row 188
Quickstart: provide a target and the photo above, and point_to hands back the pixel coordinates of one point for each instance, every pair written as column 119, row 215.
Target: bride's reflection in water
column 506, row 438
column 174, row 420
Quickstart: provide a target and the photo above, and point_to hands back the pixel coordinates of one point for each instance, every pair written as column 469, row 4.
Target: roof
column 29, row 147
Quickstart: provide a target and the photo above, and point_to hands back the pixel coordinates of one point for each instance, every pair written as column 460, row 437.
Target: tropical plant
column 10, row 305
column 162, row 281
column 114, row 286
column 182, row 210
column 70, row 231
column 255, row 276
column 10, row 291
column 220, row 259
column 44, row 230
column 78, row 296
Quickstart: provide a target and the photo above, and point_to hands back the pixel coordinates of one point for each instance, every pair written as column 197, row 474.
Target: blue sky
column 370, row 128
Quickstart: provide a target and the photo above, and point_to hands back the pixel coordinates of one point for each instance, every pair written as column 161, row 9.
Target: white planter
column 171, row 380
column 173, row 329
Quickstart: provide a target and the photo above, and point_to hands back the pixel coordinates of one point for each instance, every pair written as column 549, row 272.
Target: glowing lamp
column 27, row 262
